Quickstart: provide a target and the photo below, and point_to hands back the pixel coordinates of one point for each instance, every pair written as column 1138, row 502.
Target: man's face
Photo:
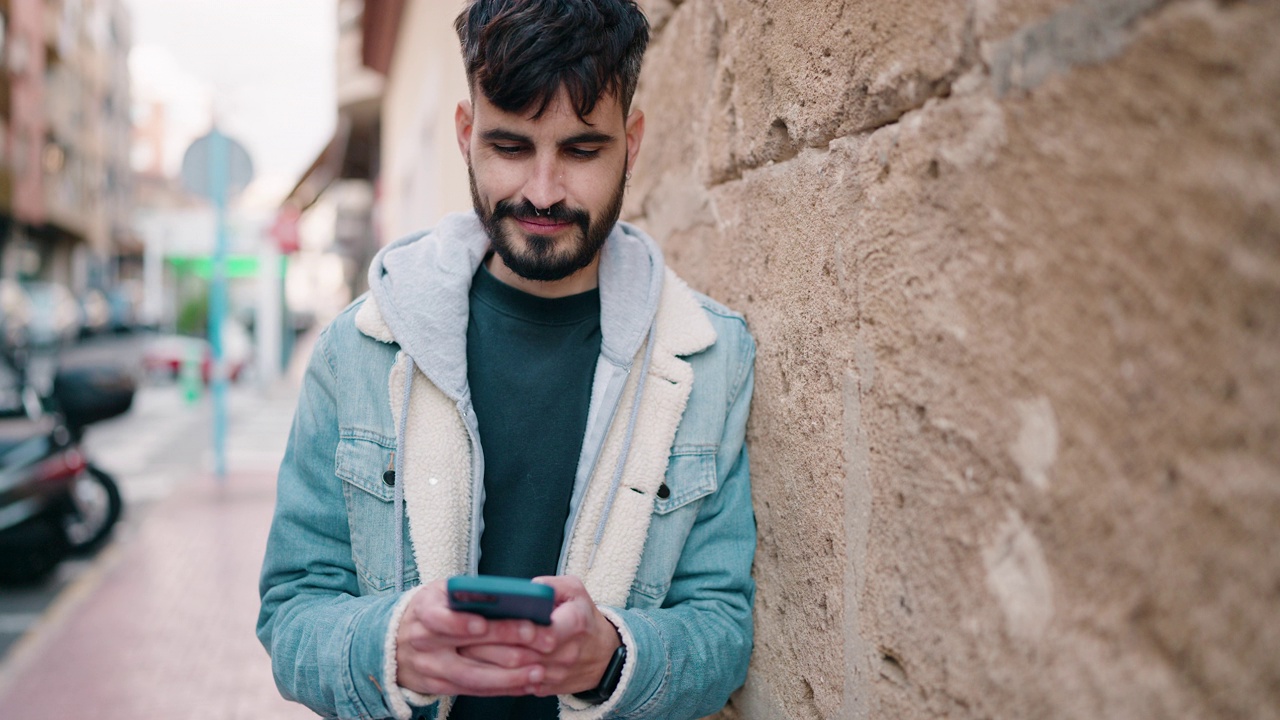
column 548, row 190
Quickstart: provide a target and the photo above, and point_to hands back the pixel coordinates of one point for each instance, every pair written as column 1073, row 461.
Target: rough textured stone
column 769, row 78
column 1014, row 269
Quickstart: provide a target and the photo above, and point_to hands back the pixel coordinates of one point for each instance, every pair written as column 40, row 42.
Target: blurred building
column 424, row 176
column 65, row 179
column 342, row 183
column 400, row 78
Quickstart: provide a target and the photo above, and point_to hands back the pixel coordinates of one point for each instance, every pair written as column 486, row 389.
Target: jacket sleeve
column 690, row 654
column 326, row 641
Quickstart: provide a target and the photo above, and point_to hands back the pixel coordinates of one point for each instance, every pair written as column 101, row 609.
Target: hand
column 432, row 643
column 573, row 652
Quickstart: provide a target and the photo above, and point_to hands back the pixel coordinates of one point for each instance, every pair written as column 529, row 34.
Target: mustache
column 525, row 210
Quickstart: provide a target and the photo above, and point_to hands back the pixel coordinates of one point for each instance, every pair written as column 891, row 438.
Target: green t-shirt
column 530, row 364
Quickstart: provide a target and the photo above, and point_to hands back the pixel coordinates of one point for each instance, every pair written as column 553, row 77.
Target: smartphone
column 502, row 598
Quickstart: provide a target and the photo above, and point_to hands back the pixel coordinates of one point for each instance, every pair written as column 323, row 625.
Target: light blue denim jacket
column 329, row 579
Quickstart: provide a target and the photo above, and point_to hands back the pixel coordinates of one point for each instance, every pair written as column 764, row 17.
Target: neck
column 588, row 278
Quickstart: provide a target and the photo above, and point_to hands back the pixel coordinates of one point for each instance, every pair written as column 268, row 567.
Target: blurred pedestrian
column 526, row 391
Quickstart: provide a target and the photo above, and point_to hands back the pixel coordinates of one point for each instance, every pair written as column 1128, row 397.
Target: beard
column 542, row 257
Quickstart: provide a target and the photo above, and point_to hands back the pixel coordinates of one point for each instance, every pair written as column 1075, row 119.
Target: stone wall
column 1014, row 270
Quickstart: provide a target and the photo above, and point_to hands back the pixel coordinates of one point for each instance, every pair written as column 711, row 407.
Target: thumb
column 567, row 587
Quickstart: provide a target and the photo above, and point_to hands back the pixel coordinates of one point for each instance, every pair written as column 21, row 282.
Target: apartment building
column 65, row 179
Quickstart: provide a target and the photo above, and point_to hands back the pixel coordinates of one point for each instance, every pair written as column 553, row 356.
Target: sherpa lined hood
column 421, row 285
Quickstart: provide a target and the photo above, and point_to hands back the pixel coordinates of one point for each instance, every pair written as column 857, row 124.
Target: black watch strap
column 609, row 681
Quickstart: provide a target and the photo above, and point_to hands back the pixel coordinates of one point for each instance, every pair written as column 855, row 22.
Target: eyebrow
column 504, row 136
column 587, row 138
column 584, row 138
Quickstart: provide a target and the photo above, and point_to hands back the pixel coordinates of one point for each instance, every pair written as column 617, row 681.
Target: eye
column 582, row 153
column 508, row 150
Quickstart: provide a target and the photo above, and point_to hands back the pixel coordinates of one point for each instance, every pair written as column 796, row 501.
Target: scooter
column 54, row 503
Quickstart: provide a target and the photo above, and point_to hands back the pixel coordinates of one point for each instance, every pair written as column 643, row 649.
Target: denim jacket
column 660, row 526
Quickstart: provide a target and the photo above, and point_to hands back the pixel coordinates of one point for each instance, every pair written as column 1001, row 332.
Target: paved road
column 162, row 441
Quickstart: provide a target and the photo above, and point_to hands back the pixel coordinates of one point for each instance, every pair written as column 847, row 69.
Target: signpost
column 217, row 168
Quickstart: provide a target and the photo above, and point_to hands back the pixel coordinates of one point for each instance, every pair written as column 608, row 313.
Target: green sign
column 238, row 266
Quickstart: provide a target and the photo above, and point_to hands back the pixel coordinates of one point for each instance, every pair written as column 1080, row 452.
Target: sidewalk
column 162, row 626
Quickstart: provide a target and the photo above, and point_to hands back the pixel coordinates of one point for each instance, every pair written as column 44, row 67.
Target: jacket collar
column 420, row 294
column 683, row 325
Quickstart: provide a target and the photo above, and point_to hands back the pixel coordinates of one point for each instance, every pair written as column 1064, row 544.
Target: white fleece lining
column 369, row 321
column 437, row 477
column 438, row 487
column 683, row 327
column 618, row 557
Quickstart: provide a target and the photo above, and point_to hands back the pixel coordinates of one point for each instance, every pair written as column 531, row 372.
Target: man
column 526, row 391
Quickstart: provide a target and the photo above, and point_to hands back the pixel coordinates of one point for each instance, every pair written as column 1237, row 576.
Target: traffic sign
column 198, row 174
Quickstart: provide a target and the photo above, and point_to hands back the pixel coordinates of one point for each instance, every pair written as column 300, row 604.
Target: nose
column 545, row 185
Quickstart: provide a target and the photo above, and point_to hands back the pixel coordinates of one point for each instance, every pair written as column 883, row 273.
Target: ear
column 464, row 118
column 635, row 133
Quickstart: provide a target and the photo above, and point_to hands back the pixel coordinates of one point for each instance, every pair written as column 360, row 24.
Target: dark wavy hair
column 520, row 52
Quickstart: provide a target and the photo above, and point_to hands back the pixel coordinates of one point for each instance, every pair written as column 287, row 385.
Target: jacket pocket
column 362, row 460
column 691, row 476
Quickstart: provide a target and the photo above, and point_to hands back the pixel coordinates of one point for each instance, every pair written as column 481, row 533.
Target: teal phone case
column 502, row 598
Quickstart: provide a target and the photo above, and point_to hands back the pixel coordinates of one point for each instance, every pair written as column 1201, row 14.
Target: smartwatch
column 609, row 681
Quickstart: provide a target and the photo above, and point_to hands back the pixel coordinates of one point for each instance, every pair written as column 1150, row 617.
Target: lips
column 542, row 226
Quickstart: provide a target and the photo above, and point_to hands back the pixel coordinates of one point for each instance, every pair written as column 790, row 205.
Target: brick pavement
column 163, row 627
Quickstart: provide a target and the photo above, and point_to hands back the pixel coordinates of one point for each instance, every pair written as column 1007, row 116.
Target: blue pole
column 219, row 172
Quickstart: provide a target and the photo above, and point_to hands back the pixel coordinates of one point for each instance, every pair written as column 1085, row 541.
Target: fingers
column 428, row 658
column 443, row 673
column 584, row 639
column 439, row 625
column 572, row 618
column 441, row 621
column 446, row 652
column 431, row 608
column 511, row 632
column 516, row 656
column 507, row 656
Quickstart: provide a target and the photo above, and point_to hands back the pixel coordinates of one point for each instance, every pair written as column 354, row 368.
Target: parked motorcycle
column 54, row 503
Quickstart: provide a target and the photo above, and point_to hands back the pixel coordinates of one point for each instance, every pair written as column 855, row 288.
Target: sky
column 266, row 66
